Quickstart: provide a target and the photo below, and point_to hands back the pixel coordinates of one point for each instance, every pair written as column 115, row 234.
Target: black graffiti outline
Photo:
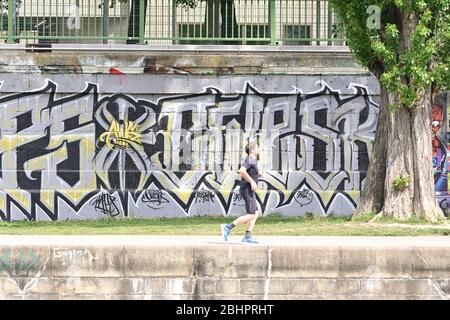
column 443, row 204
column 204, row 195
column 106, row 204
column 51, row 89
column 149, row 197
column 303, row 194
column 135, row 103
column 304, row 184
column 237, row 198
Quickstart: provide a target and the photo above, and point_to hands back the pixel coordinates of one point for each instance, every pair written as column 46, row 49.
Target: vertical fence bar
column 96, row 31
column 142, row 8
column 14, row 17
column 226, row 21
column 174, row 21
column 330, row 24
column 285, row 21
column 318, row 22
column 216, row 21
column 47, row 22
column 33, row 22
column 1, row 20
column 194, row 24
column 105, row 21
column 116, row 16
column 80, row 14
column 11, row 20
column 50, row 19
column 273, row 23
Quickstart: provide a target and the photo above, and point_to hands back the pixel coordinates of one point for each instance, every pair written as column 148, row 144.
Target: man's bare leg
column 244, row 219
column 248, row 219
column 251, row 223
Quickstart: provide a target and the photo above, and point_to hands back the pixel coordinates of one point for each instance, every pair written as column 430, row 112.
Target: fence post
column 174, row 21
column 105, row 21
column 142, row 8
column 11, row 20
column 330, row 24
column 273, row 23
column 318, row 22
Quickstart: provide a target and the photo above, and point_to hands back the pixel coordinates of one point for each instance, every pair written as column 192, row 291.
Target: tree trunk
column 399, row 162
column 425, row 203
column 372, row 195
column 403, row 147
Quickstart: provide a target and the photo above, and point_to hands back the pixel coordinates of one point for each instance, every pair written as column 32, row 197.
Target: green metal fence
column 241, row 22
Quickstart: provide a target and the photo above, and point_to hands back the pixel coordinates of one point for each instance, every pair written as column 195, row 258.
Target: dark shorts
column 249, row 198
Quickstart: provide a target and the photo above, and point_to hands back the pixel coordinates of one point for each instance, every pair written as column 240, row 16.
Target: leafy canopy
column 407, row 58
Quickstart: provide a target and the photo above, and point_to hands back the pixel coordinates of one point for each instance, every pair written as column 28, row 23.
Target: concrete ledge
column 183, row 61
column 157, row 267
column 152, row 87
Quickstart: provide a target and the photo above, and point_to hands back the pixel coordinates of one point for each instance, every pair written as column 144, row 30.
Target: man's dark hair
column 250, row 147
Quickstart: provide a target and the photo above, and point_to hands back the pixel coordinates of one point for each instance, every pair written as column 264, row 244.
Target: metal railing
column 239, row 22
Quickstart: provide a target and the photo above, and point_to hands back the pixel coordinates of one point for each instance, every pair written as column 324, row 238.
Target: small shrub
column 309, row 215
column 402, row 182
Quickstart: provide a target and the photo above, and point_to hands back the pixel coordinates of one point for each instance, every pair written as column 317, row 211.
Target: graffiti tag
column 303, row 197
column 203, row 196
column 154, row 198
column 106, row 204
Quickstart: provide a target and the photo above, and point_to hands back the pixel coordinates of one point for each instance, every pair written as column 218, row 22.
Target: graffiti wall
column 440, row 150
column 129, row 148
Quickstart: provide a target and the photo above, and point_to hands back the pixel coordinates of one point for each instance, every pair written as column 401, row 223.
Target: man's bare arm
column 243, row 172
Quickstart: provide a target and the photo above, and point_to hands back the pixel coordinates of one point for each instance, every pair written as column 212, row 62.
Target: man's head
column 252, row 149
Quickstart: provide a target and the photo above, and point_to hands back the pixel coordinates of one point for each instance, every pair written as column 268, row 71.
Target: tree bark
column 399, row 162
column 372, row 195
column 425, row 203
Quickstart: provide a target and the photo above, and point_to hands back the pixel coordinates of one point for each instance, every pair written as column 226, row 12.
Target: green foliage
column 4, row 5
column 402, row 182
column 413, row 220
column 407, row 58
column 309, row 215
column 275, row 225
column 366, row 217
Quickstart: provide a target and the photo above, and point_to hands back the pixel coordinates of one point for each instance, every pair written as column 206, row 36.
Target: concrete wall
column 192, row 268
column 75, row 144
column 166, row 145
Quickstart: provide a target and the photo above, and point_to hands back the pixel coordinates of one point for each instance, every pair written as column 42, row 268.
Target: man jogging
column 248, row 185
